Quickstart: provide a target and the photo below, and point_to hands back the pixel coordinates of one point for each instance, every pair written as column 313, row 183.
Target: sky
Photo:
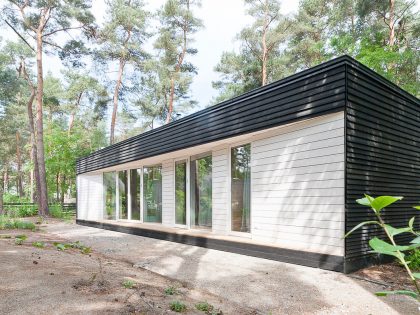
column 222, row 20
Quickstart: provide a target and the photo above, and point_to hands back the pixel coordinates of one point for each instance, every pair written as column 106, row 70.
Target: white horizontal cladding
column 298, row 186
column 168, row 193
column 90, row 201
column 220, row 189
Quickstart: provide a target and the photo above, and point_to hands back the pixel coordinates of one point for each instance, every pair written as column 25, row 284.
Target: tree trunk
column 177, row 69
column 34, row 153
column 57, row 187
column 116, row 92
column 6, row 178
column 391, row 22
column 1, row 193
column 73, row 114
column 264, row 48
column 19, row 166
column 63, row 192
column 43, row 197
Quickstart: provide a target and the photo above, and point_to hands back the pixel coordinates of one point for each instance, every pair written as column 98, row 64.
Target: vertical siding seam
column 345, row 157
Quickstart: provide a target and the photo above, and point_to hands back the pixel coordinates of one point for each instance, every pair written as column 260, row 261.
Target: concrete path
column 269, row 287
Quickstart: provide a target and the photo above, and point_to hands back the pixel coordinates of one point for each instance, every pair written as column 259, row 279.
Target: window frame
column 229, row 201
column 186, row 159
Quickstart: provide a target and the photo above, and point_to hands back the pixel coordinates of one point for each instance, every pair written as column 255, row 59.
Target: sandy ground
column 234, row 283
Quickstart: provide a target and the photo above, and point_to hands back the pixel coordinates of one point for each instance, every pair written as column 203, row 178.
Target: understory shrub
column 388, row 246
column 178, row 306
column 414, row 259
column 56, row 211
column 7, row 223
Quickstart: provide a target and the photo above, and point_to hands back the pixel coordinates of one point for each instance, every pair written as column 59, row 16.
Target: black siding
column 314, row 92
column 382, row 157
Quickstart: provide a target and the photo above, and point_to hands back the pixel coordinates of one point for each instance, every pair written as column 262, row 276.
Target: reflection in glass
column 109, row 195
column 201, row 192
column 135, row 193
column 152, row 193
column 241, row 188
column 122, row 188
column 180, row 192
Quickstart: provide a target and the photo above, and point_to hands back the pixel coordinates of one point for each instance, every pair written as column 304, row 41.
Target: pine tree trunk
column 34, row 159
column 1, row 193
column 6, row 179
column 43, row 197
column 63, row 192
column 115, row 108
column 391, row 22
column 19, row 166
column 264, row 49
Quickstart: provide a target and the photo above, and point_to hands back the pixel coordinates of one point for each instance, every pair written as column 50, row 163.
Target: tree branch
column 18, row 34
column 62, row 29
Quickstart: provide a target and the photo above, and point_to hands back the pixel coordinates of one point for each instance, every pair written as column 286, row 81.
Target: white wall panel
column 220, row 177
column 298, row 186
column 90, row 197
column 168, row 193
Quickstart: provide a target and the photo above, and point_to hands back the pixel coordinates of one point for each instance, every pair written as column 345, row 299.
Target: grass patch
column 77, row 245
column 208, row 308
column 19, row 239
column 177, row 306
column 56, row 211
column 129, row 284
column 414, row 259
column 7, row 223
column 38, row 244
column 171, row 290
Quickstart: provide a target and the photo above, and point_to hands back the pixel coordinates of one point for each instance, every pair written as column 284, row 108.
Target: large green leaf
column 364, row 201
column 416, row 275
column 416, row 240
column 359, row 226
column 395, row 231
column 401, row 292
column 381, row 247
column 383, row 201
column 417, row 207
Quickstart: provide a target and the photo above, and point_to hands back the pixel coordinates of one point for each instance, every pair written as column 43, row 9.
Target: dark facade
column 382, row 157
column 382, row 142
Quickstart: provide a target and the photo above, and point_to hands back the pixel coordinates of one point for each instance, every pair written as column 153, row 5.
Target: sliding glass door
column 181, row 192
column 201, row 191
column 152, row 193
column 241, row 188
column 110, row 189
column 135, row 179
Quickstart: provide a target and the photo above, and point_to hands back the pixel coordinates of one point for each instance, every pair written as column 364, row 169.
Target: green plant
column 413, row 259
column 56, row 211
column 7, row 223
column 392, row 248
column 38, row 244
column 171, row 290
column 19, row 239
column 60, row 246
column 129, row 284
column 177, row 306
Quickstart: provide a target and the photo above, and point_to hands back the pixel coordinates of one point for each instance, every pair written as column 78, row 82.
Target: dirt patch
column 51, row 281
column 391, row 275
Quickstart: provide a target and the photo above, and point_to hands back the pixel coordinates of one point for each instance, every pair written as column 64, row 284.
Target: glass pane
column 201, row 192
column 122, row 187
column 109, row 195
column 152, row 193
column 180, row 192
column 241, row 188
column 135, row 193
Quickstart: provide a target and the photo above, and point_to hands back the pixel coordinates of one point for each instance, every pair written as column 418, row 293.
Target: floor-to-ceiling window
column 135, row 177
column 181, row 192
column 201, row 191
column 152, row 193
column 109, row 181
column 241, row 188
column 122, row 200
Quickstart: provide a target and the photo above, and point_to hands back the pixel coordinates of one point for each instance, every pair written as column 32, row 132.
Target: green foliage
column 413, row 259
column 207, row 308
column 19, row 239
column 75, row 245
column 60, row 246
column 171, row 290
column 56, row 211
column 7, row 223
column 177, row 306
column 38, row 244
column 129, row 284
column 391, row 248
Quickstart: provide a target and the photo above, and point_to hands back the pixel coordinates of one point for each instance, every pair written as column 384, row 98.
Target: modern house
column 273, row 173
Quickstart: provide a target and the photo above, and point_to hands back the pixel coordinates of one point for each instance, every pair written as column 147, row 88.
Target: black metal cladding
column 382, row 157
column 314, row 92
